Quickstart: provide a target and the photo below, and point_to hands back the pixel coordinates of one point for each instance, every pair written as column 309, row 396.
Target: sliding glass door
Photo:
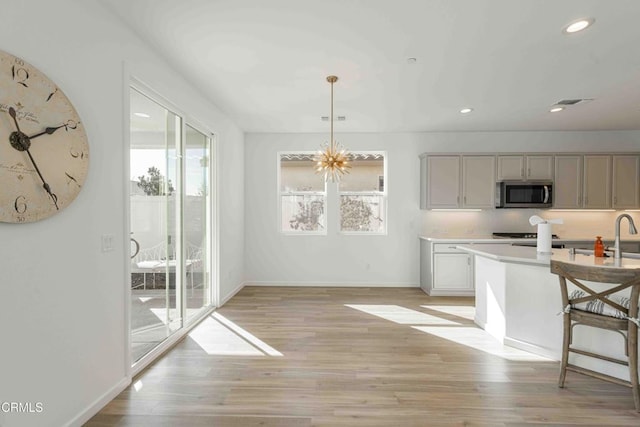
column 170, row 223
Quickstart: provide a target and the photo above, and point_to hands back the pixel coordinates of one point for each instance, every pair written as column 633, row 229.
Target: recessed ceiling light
column 144, row 115
column 578, row 25
column 466, row 110
column 412, row 60
column 556, row 109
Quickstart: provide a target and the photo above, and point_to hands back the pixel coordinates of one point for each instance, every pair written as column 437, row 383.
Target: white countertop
column 529, row 255
column 490, row 239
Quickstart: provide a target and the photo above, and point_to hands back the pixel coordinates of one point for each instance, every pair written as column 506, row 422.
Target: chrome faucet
column 632, row 230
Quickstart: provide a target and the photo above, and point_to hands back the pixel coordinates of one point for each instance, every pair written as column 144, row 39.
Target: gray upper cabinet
column 581, row 181
column 443, row 182
column 539, row 167
column 596, row 188
column 478, row 181
column 451, row 182
column 510, row 168
column 626, row 176
column 596, row 181
column 525, row 167
column 567, row 187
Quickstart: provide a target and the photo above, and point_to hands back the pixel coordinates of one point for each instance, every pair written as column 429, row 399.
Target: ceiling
column 265, row 63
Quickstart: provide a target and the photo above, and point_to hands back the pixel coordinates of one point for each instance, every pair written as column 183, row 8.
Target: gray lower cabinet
column 445, row 270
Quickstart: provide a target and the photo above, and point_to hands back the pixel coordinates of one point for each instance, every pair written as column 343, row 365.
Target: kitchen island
column 518, row 302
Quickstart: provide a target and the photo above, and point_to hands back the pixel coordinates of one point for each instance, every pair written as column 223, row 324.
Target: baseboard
column 100, row 403
column 231, row 294
column 450, row 293
column 336, row 284
column 521, row 345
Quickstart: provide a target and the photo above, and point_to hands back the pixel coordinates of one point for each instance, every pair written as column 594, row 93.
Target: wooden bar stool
column 600, row 309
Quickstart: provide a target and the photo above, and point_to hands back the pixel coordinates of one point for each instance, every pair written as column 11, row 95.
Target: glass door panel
column 196, row 216
column 154, row 215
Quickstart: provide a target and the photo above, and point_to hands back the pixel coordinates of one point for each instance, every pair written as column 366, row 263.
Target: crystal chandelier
column 332, row 160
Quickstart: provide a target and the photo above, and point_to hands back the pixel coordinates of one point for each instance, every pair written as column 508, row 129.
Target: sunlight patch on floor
column 464, row 311
column 480, row 340
column 263, row 346
column 217, row 335
column 401, row 315
column 215, row 338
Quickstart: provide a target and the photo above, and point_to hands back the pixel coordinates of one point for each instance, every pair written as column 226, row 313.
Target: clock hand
column 47, row 131
column 12, row 113
column 21, row 142
column 44, row 183
column 70, row 124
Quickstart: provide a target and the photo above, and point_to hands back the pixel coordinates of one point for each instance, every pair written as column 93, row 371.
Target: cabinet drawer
column 447, row 248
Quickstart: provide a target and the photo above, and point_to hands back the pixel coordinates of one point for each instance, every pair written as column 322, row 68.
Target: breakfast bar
column 518, row 301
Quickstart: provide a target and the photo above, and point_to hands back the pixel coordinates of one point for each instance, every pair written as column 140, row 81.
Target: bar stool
column 600, row 309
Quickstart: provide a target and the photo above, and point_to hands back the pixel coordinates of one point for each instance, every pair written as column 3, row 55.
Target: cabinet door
column 539, row 167
column 452, row 271
column 597, row 182
column 626, row 173
column 510, row 168
column 443, row 182
column 478, row 181
column 567, row 187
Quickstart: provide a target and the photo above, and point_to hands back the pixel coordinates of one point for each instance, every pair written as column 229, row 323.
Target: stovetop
column 513, row 235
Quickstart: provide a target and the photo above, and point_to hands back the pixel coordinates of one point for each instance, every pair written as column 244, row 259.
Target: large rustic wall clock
column 44, row 153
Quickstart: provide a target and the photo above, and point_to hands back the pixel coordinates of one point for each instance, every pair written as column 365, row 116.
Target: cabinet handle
column 465, row 199
column 468, row 261
column 615, row 200
column 521, row 172
column 529, row 172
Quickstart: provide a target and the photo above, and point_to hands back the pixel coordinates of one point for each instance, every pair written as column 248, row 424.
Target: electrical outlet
column 107, row 242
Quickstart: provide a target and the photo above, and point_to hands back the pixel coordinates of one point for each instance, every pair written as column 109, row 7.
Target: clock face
column 44, row 153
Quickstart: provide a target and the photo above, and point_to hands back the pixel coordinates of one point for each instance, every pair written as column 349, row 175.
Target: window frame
column 383, row 194
column 281, row 193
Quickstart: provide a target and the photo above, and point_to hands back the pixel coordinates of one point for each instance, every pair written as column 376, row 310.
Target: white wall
column 275, row 258
column 62, row 300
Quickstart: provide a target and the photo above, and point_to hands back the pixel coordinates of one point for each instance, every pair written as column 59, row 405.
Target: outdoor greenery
column 153, row 183
column 308, row 216
column 355, row 214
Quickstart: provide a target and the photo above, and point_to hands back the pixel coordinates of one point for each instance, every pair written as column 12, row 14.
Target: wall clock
column 44, row 153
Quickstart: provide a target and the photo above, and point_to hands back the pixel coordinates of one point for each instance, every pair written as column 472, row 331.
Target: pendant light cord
column 332, row 144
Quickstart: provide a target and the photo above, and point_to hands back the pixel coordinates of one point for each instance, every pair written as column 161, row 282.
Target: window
column 362, row 195
column 302, row 195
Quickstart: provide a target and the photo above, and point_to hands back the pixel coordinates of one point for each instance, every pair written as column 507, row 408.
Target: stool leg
column 566, row 340
column 632, row 343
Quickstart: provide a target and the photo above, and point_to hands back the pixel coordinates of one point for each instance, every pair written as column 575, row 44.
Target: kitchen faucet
column 632, row 230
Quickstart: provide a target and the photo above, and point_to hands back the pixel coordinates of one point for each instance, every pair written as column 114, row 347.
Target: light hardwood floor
column 283, row 356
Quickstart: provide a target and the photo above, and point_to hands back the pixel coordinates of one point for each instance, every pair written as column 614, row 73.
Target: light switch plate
column 107, row 242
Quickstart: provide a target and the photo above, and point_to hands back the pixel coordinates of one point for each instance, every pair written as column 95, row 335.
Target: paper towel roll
column 544, row 238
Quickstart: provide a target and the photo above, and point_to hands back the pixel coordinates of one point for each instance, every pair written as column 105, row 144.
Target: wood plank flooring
column 298, row 357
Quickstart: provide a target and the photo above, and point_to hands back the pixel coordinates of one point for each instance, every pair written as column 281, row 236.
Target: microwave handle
column 546, row 194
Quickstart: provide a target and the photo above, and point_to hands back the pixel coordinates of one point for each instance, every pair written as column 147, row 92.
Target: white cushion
column 599, row 307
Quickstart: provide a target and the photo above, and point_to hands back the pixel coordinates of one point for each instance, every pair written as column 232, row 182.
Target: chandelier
column 332, row 160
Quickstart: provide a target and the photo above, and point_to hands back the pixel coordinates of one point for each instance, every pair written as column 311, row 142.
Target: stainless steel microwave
column 524, row 194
